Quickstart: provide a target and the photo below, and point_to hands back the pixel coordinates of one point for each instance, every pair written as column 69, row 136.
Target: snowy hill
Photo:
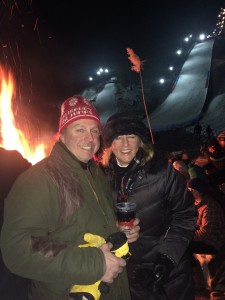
column 199, row 93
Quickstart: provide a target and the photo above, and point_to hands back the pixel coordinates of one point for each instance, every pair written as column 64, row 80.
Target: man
column 159, row 267
column 52, row 206
column 12, row 163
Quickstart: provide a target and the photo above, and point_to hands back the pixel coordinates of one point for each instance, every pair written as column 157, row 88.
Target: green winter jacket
column 47, row 212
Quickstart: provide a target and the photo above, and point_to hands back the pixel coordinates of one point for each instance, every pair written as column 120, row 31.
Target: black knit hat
column 198, row 184
column 121, row 124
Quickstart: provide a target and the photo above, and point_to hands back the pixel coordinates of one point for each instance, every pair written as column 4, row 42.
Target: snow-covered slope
column 199, row 93
column 185, row 103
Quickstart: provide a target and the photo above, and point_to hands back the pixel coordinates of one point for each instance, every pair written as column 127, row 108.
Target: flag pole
column 146, row 110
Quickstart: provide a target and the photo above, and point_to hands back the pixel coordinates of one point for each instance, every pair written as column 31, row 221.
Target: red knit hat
column 76, row 108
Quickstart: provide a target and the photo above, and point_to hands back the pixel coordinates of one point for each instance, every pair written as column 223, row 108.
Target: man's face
column 125, row 148
column 82, row 138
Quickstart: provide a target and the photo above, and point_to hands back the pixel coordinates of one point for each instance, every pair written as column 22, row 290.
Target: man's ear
column 62, row 137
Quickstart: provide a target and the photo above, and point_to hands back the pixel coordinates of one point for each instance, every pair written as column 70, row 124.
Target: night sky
column 52, row 47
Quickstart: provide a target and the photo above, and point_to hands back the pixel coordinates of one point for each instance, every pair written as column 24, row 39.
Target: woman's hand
column 133, row 233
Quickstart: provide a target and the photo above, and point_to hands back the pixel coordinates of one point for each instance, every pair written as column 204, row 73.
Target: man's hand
column 113, row 264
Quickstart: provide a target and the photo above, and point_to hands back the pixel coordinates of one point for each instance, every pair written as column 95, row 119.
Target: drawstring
column 123, row 193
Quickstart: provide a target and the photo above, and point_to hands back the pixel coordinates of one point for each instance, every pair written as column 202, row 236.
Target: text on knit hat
column 76, row 108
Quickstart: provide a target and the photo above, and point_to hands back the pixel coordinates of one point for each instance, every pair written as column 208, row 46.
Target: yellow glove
column 120, row 249
column 93, row 240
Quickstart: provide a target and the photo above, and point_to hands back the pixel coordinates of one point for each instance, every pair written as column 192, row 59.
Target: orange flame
column 12, row 137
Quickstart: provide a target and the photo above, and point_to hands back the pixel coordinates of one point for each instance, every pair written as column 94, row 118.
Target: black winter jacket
column 167, row 219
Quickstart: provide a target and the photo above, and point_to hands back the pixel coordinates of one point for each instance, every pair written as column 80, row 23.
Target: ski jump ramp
column 185, row 103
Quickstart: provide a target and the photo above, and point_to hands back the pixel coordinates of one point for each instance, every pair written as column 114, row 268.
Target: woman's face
column 125, row 147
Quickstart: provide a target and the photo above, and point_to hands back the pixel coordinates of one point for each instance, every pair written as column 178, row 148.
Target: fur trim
column 67, row 183
column 46, row 247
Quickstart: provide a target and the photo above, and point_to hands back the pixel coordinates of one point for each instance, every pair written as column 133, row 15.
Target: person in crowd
column 221, row 139
column 181, row 167
column 159, row 267
column 185, row 157
column 215, row 168
column 211, row 168
column 198, row 131
column 194, row 170
column 54, row 203
column 209, row 132
column 171, row 157
column 209, row 235
column 197, row 166
column 203, row 153
column 12, row 163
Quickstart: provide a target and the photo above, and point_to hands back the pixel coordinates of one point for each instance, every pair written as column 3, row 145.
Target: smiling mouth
column 87, row 148
column 125, row 151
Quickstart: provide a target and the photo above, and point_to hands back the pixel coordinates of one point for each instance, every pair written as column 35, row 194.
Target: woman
column 159, row 267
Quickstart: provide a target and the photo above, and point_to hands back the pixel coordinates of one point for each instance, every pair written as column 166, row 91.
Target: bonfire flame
column 12, row 137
